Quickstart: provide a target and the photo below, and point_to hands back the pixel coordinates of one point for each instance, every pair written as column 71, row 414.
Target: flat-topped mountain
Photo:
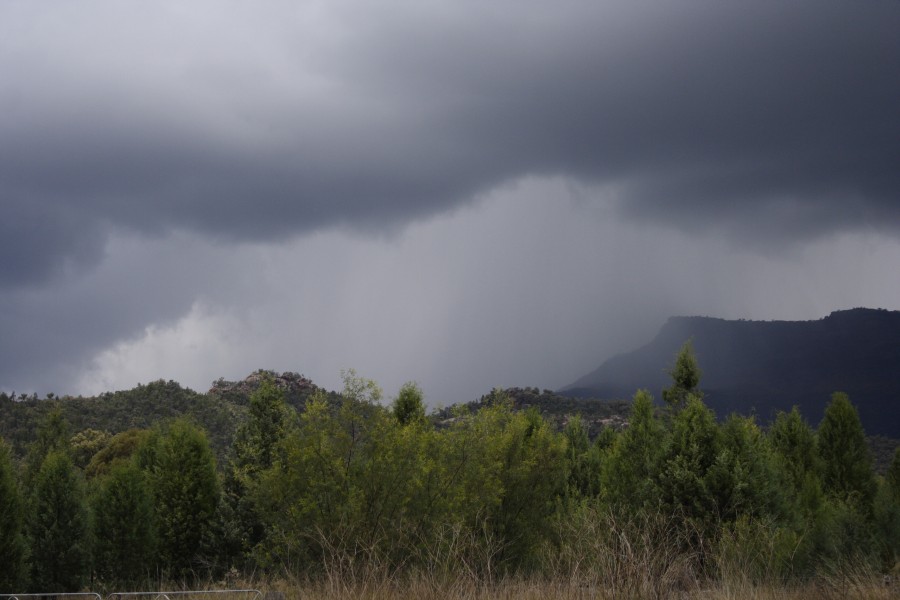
column 762, row 367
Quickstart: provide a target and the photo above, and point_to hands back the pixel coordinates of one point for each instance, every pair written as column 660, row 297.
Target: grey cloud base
column 775, row 123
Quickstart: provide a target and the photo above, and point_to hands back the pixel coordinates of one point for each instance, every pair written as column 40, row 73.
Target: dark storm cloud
column 779, row 114
column 50, row 333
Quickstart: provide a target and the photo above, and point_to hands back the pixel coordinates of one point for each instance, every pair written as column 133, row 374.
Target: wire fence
column 248, row 594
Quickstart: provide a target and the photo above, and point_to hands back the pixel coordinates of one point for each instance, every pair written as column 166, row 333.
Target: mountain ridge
column 762, row 367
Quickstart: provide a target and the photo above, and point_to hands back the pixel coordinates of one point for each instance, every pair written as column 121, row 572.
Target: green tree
column 185, row 489
column 887, row 514
column 409, row 406
column 632, row 467
column 12, row 539
column 532, row 478
column 795, row 442
column 695, row 443
column 685, row 376
column 52, row 436
column 85, row 444
column 59, row 527
column 120, row 449
column 584, row 460
column 847, row 465
column 124, row 526
column 348, row 481
column 746, row 479
column 892, row 479
column 256, row 444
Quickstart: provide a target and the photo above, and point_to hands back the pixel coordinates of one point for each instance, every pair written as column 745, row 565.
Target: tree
column 186, row 494
column 795, row 442
column 847, row 465
column 12, row 540
column 631, row 471
column 347, row 481
column 85, row 444
column 255, row 447
column 892, row 478
column 583, row 458
column 409, row 406
column 532, row 478
column 52, row 436
column 685, row 378
column 267, row 423
column 746, row 479
column 120, row 449
column 59, row 527
column 887, row 513
column 124, row 526
column 694, row 445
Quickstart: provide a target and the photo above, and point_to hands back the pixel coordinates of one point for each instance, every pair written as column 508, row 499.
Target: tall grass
column 593, row 554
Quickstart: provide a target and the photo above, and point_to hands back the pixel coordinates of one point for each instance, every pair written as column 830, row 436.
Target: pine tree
column 583, row 458
column 795, row 442
column 892, row 479
column 124, row 526
column 685, row 376
column 695, row 443
column 847, row 465
column 59, row 527
column 186, row 495
column 746, row 478
column 630, row 473
column 12, row 539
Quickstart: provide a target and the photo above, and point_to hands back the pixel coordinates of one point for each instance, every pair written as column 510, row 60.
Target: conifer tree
column 583, row 458
column 685, row 376
column 746, row 479
column 12, row 538
column 631, row 471
column 124, row 526
column 185, row 488
column 59, row 527
column 846, row 462
column 892, row 479
column 795, row 442
column 694, row 445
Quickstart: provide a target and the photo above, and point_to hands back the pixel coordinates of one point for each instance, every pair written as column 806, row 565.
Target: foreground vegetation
column 349, row 497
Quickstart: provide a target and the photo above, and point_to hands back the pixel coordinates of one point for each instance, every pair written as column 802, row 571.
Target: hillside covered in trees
column 763, row 367
column 275, row 476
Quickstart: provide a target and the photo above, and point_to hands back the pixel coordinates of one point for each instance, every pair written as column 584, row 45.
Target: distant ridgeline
column 762, row 367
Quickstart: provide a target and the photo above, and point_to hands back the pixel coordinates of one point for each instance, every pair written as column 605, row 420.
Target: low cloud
column 153, row 157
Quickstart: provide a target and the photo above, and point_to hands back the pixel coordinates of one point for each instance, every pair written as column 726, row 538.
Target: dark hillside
column 762, row 367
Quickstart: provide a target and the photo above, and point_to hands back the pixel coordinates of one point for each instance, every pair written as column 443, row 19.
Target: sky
column 458, row 193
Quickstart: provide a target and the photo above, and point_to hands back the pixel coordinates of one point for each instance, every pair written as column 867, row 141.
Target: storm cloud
column 152, row 155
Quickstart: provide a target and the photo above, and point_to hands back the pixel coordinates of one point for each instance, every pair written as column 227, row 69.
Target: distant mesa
column 761, row 367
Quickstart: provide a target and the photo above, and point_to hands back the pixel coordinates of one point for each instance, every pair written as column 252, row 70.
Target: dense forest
column 295, row 481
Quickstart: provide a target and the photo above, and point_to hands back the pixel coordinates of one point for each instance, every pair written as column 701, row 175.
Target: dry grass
column 595, row 555
column 465, row 589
